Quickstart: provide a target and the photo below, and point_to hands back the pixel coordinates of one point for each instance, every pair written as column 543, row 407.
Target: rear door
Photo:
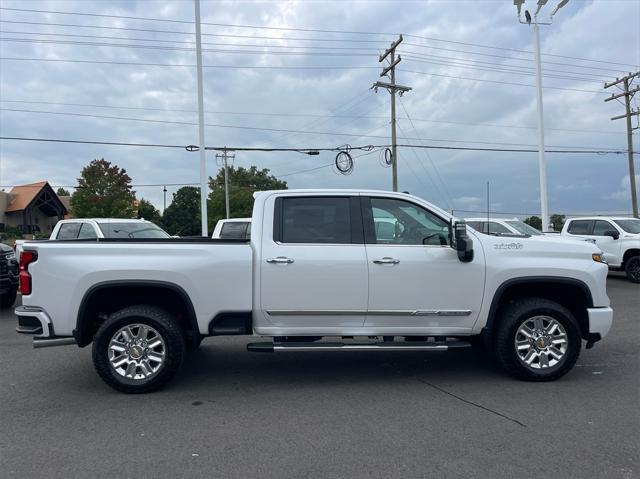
column 313, row 264
column 415, row 277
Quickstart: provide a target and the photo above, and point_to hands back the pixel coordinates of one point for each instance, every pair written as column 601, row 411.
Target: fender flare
column 191, row 313
column 495, row 302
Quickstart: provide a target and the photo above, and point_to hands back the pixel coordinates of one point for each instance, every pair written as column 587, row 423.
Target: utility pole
column 628, row 93
column 225, row 156
column 390, row 71
column 203, row 153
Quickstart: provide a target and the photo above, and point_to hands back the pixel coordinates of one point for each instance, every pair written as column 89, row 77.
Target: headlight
column 10, row 256
column 599, row 257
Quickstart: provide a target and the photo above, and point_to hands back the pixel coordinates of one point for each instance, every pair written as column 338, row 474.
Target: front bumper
column 600, row 321
column 33, row 320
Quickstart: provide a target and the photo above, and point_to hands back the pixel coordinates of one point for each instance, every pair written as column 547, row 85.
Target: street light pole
column 203, row 153
column 542, row 164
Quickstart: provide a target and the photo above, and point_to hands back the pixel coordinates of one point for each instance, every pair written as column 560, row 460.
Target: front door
column 415, row 278
column 314, row 268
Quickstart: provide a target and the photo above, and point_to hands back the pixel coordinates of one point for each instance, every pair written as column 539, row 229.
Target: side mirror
column 613, row 233
column 462, row 243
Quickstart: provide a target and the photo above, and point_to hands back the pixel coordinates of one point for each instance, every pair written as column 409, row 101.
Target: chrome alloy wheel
column 136, row 351
column 541, row 342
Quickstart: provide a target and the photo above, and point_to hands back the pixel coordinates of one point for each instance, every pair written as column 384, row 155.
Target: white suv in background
column 617, row 237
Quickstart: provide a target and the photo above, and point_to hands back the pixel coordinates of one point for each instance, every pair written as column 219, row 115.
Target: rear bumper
column 34, row 321
column 600, row 320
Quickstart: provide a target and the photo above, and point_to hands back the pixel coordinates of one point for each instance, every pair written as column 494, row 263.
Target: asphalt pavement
column 235, row 414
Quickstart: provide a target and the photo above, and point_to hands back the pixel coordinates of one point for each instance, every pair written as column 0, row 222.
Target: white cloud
column 624, row 193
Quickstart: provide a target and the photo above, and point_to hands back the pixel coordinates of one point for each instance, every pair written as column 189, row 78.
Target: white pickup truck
column 617, row 237
column 318, row 267
column 92, row 228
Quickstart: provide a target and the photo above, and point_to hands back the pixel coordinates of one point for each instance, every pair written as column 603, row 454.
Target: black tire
column 632, row 269
column 164, row 324
column 8, row 299
column 514, row 315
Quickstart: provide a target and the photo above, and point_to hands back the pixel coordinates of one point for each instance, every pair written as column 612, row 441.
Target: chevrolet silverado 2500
column 319, row 266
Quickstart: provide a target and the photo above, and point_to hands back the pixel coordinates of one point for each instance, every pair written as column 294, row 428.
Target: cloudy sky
column 298, row 74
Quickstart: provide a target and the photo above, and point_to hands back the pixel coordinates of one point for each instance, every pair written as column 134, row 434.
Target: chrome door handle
column 280, row 260
column 386, row 260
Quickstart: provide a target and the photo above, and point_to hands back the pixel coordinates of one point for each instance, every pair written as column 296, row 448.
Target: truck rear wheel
column 537, row 339
column 138, row 349
column 632, row 269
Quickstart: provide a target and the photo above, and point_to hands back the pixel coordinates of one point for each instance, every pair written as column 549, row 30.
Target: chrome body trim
column 381, row 312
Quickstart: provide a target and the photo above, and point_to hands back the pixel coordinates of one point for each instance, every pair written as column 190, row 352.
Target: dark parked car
column 8, row 276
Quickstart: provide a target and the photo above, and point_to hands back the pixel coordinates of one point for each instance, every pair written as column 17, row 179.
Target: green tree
column 103, row 191
column 182, row 216
column 534, row 221
column 243, row 183
column 149, row 212
column 62, row 192
column 557, row 221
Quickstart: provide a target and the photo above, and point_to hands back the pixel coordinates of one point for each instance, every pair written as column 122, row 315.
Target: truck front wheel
column 138, row 349
column 537, row 339
column 632, row 269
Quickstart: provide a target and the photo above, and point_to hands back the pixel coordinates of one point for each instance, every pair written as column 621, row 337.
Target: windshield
column 630, row 226
column 523, row 228
column 132, row 230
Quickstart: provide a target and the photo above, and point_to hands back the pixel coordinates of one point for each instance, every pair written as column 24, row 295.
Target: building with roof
column 32, row 208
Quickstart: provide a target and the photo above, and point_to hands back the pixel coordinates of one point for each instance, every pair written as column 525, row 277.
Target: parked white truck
column 617, row 237
column 92, row 228
column 317, row 267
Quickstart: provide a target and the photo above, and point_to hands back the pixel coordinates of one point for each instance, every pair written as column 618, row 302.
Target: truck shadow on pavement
column 229, row 365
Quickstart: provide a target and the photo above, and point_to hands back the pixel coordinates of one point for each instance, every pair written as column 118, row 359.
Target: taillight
column 26, row 258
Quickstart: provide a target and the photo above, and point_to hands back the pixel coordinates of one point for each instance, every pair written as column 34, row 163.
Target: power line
column 262, row 27
column 305, row 115
column 498, row 82
column 368, row 147
column 484, row 66
column 302, row 67
column 250, row 67
column 167, row 48
column 283, row 130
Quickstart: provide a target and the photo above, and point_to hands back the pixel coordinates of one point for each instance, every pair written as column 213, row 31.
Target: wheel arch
column 99, row 299
column 571, row 293
column 629, row 254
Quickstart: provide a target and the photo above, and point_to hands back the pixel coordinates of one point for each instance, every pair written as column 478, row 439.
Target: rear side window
column 580, row 227
column 476, row 225
column 87, row 232
column 235, row 230
column 69, row 231
column 315, row 220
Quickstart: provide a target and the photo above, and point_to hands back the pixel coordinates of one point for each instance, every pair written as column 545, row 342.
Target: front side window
column 494, row 228
column 68, row 231
column 402, row 223
column 142, row 230
column 580, row 227
column 630, row 226
column 524, row 228
column 316, row 220
column 601, row 227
